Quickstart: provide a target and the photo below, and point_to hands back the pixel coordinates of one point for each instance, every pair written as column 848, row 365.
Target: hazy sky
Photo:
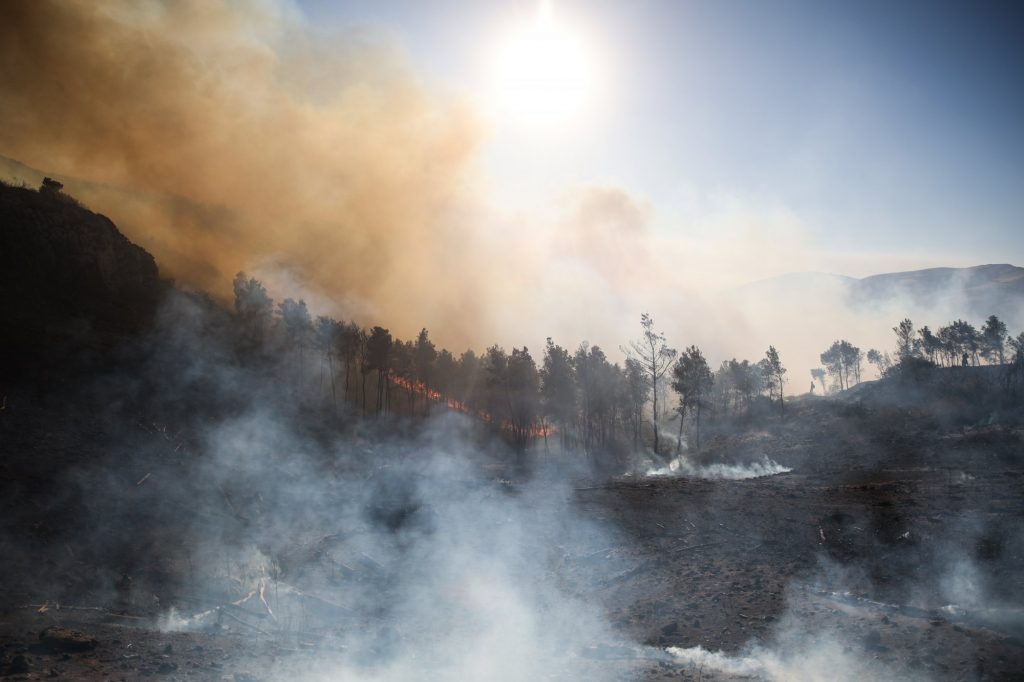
column 883, row 128
column 497, row 173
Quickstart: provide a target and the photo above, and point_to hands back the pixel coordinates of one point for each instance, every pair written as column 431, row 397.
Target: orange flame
column 421, row 389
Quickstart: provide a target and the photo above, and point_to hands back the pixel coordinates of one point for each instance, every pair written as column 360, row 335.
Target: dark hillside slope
column 68, row 277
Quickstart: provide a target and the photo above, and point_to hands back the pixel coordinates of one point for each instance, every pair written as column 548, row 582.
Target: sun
column 542, row 74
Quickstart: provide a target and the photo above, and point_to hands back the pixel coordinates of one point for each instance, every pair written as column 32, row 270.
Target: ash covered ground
column 180, row 506
column 249, row 543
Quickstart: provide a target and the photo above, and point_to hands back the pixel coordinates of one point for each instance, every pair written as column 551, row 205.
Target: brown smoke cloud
column 223, row 138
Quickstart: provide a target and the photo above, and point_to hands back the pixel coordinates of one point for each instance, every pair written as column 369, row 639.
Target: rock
column 62, row 639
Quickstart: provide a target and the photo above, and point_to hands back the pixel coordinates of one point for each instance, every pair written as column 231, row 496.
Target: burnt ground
column 888, row 517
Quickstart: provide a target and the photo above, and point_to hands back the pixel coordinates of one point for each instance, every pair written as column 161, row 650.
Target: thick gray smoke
column 381, row 552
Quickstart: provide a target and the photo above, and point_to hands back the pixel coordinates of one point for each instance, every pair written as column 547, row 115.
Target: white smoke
column 820, row 660
column 682, row 467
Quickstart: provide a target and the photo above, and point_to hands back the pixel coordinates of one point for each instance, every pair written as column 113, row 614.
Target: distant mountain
column 981, row 288
column 794, row 282
column 972, row 293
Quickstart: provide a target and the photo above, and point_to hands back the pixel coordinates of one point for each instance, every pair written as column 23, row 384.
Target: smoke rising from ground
column 400, row 553
column 682, row 466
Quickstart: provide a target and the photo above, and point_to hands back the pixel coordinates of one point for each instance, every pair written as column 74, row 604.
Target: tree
column 351, row 344
column 881, row 361
column 930, row 345
column 494, row 380
column 745, row 380
column 253, row 308
column 467, row 373
column 596, row 379
column 993, row 340
column 446, row 369
column 1016, row 345
column 558, row 390
column 655, row 357
column 521, row 396
column 586, row 381
column 961, row 342
column 327, row 332
column 949, row 349
column 842, row 361
column 1014, row 373
column 906, row 342
column 818, row 375
column 378, row 357
column 692, row 380
column 424, row 357
column 633, row 397
column 404, row 373
column 774, row 376
column 297, row 326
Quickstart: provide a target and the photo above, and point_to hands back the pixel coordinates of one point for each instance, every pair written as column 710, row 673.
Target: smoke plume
column 224, row 137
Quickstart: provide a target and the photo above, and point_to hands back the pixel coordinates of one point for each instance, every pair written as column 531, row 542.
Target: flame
column 421, row 389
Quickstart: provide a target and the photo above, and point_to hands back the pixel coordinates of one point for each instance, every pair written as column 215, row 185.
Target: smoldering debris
column 433, row 568
column 209, row 498
column 682, row 466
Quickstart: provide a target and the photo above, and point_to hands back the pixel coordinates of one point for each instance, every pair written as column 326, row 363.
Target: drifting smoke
column 402, row 555
column 683, row 467
column 817, row 660
column 224, row 136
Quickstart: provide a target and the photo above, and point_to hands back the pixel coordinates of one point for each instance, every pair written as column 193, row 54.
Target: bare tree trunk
column 334, row 387
column 679, row 440
column 654, row 415
column 698, row 424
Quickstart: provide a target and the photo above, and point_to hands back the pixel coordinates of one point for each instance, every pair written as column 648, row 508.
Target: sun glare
column 542, row 75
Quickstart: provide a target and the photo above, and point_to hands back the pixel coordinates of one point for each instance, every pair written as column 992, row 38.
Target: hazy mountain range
column 972, row 293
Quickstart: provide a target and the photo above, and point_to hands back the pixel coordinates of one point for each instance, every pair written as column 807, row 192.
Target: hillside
column 981, row 288
column 193, row 506
column 973, row 293
column 67, row 275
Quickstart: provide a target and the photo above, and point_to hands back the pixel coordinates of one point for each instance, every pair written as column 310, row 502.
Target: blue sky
column 886, row 127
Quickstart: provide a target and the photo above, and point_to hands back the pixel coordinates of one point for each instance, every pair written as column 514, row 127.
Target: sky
column 505, row 171
column 889, row 128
